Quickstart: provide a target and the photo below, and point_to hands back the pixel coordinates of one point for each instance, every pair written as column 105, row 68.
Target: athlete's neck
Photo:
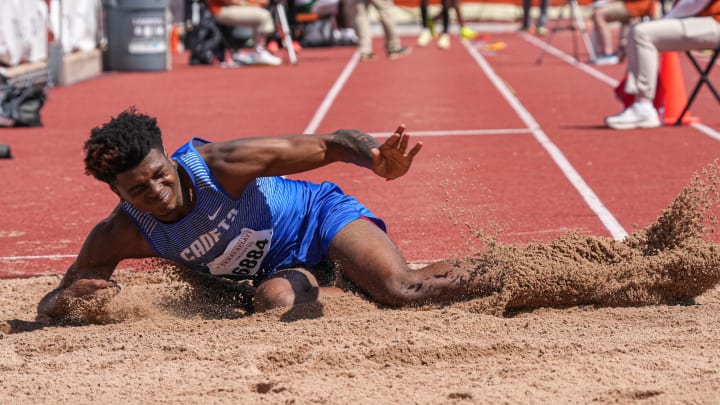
column 187, row 192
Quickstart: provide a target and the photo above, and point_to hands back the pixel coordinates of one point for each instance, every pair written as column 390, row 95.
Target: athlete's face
column 152, row 186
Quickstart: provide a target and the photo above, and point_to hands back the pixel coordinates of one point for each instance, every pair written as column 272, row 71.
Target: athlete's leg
column 366, row 256
column 289, row 287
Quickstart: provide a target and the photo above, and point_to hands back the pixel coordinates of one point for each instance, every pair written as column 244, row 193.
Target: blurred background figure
column 625, row 12
column 393, row 46
column 255, row 15
column 428, row 24
column 541, row 25
column 689, row 25
column 325, row 22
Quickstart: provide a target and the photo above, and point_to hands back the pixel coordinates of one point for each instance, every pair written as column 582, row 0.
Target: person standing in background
column 393, row 46
column 540, row 26
column 428, row 31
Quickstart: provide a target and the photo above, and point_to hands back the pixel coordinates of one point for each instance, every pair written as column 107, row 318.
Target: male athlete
column 224, row 209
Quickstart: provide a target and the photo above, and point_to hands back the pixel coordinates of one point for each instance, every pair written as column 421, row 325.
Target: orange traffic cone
column 174, row 40
column 673, row 85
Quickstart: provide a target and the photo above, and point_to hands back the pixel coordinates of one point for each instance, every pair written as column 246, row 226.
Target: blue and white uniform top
column 276, row 223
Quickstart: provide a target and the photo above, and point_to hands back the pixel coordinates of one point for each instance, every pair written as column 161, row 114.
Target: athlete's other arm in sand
column 112, row 240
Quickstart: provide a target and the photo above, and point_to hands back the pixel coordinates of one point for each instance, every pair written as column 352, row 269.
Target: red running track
column 513, row 149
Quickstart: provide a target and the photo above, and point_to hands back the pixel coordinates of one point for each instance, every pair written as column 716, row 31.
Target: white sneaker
column 634, row 117
column 610, row 59
column 444, row 41
column 263, row 57
column 242, row 58
column 425, row 37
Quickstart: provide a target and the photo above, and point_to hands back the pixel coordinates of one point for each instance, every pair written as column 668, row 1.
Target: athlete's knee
column 288, row 288
column 267, row 298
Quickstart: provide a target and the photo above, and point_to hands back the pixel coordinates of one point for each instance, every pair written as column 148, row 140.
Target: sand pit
column 580, row 319
column 350, row 351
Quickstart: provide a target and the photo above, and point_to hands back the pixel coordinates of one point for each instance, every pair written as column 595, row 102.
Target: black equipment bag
column 20, row 105
column 204, row 39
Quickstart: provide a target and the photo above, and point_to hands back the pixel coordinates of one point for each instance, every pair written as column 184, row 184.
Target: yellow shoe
column 444, row 41
column 424, row 38
column 468, row 33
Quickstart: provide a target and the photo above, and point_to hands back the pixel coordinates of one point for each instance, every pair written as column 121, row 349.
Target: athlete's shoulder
column 194, row 146
column 121, row 235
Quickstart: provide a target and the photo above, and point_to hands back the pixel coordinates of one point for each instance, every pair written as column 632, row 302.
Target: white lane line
column 601, row 76
column 332, row 94
column 591, row 199
column 52, row 257
column 706, row 130
column 462, row 132
column 569, row 59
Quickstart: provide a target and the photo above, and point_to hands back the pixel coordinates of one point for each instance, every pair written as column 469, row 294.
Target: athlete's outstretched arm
column 235, row 163
column 110, row 241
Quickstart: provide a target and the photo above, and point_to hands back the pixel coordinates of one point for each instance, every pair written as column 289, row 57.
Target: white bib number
column 244, row 254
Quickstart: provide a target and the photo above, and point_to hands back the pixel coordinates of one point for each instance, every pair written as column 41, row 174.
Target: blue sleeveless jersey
column 276, row 223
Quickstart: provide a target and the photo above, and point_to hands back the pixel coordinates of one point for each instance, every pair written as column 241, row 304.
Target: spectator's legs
column 446, row 15
column 385, row 9
column 255, row 17
column 526, row 4
column 649, row 38
column 424, row 13
column 258, row 18
column 425, row 34
column 603, row 15
column 346, row 21
column 646, row 40
column 444, row 40
column 542, row 20
column 362, row 26
column 623, row 39
column 602, row 31
column 456, row 5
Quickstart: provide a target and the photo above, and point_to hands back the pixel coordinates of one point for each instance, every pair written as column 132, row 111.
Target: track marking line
column 461, row 132
column 332, row 94
column 570, row 60
column 36, row 257
column 601, row 76
column 591, row 199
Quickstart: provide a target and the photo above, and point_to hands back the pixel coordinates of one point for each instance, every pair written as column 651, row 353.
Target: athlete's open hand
column 82, row 301
column 392, row 159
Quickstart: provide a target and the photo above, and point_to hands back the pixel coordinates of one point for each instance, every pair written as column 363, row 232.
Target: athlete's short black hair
column 121, row 144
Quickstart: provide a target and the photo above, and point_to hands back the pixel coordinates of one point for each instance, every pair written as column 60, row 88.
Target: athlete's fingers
column 392, row 141
column 403, row 137
column 404, row 142
column 415, row 149
column 396, row 137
